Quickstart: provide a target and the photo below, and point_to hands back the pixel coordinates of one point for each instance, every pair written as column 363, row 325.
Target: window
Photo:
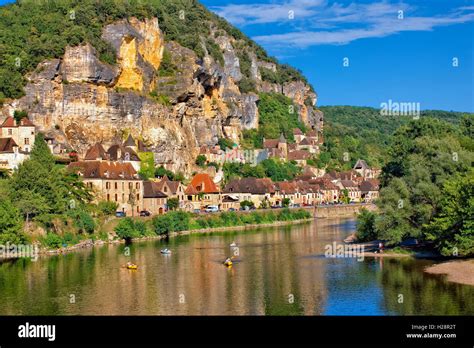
column 137, row 186
column 116, row 197
column 116, row 186
column 27, row 141
column 123, row 185
column 138, row 197
column 107, row 185
column 130, row 185
column 108, row 197
column 10, row 132
column 123, row 198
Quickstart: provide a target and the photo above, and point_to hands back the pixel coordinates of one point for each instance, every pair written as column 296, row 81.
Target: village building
column 172, row 189
column 229, row 203
column 202, row 192
column 366, row 172
column 329, row 190
column 369, row 190
column 310, row 194
column 124, row 154
column 154, row 200
column 16, row 142
column 259, row 191
column 300, row 157
column 287, row 189
column 352, row 188
column 276, row 148
column 113, row 182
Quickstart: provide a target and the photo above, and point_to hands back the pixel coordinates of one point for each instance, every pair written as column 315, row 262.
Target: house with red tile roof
column 154, row 200
column 202, row 192
column 259, row 191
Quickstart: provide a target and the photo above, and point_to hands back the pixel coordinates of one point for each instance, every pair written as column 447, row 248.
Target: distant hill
column 362, row 132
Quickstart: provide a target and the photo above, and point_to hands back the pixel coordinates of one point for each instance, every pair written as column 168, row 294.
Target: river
column 279, row 271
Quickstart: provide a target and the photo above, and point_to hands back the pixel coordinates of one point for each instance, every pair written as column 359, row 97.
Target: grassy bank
column 181, row 221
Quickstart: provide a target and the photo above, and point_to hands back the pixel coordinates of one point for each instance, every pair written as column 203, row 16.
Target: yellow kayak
column 228, row 263
column 132, row 266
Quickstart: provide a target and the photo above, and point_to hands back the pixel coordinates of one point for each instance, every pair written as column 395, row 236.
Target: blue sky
column 406, row 59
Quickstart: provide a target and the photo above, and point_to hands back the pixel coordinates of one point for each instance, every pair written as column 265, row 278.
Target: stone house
column 16, row 142
column 276, row 148
column 369, row 190
column 353, row 190
column 113, row 182
column 300, row 157
column 172, row 189
column 154, row 200
column 259, row 191
column 365, row 171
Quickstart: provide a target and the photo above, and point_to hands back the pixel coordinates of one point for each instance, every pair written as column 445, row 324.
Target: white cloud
column 336, row 23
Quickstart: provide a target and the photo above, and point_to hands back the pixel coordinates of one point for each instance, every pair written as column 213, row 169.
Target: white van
column 212, row 209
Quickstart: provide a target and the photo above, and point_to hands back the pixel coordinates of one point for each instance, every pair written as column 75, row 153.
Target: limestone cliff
column 86, row 101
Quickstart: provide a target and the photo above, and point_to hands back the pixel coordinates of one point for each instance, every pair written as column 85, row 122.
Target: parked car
column 145, row 213
column 232, row 209
column 120, row 214
column 212, row 209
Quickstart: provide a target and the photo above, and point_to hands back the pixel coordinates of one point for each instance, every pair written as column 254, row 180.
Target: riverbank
column 89, row 243
column 461, row 272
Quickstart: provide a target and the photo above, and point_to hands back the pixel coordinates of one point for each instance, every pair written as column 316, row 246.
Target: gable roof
column 305, row 141
column 370, row 185
column 203, row 183
column 113, row 153
column 96, row 151
column 297, row 131
column 270, row 143
column 25, row 122
column 150, row 190
column 361, row 164
column 7, row 145
column 312, row 133
column 298, row 155
column 9, row 122
column 250, row 185
column 104, row 170
column 173, row 185
column 349, row 183
column 287, row 187
column 130, row 141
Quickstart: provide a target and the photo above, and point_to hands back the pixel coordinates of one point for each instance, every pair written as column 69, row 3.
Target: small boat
column 233, row 245
column 131, row 266
column 228, row 262
column 165, row 251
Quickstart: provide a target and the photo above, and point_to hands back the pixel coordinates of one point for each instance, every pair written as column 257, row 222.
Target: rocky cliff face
column 84, row 100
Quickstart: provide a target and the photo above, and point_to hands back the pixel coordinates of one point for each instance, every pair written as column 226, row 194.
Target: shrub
column 126, row 229
column 366, row 226
column 52, row 240
column 172, row 222
column 107, row 208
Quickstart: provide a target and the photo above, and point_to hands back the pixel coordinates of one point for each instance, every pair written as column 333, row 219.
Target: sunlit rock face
column 83, row 100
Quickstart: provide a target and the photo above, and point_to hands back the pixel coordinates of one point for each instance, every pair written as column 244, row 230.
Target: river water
column 279, row 271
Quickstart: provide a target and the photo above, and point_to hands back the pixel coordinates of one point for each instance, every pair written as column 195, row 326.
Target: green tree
column 11, row 224
column 452, row 227
column 201, row 160
column 173, row 203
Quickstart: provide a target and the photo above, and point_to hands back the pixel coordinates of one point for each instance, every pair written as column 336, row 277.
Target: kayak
column 228, row 263
column 132, row 266
column 166, row 251
column 233, row 245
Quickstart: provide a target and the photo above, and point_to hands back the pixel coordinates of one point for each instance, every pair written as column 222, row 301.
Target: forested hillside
column 362, row 132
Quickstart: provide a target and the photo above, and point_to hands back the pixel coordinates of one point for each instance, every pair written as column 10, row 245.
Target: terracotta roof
column 312, row 133
column 9, row 122
column 150, row 190
column 348, row 183
column 250, row 185
column 7, row 145
column 105, row 170
column 113, row 153
column 203, row 183
column 297, row 131
column 370, row 185
column 190, row 190
column 130, row 141
column 324, row 184
column 287, row 187
column 298, row 155
column 96, row 151
column 291, row 147
column 270, row 143
column 25, row 122
column 305, row 141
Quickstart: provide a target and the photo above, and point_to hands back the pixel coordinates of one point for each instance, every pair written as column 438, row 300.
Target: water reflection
column 279, row 271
